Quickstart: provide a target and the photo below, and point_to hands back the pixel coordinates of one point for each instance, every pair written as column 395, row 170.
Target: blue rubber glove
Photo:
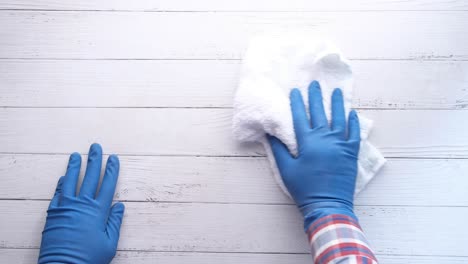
column 322, row 178
column 83, row 228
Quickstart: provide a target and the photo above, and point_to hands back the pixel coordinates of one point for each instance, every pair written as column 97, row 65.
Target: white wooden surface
column 153, row 82
column 224, row 35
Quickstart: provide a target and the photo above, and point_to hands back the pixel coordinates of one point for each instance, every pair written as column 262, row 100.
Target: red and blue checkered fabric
column 338, row 239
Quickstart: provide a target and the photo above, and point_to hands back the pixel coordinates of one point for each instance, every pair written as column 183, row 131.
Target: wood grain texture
column 414, row 182
column 240, row 5
column 27, row 256
column 212, row 83
column 153, row 81
column 398, row 133
column 212, row 35
column 210, row 228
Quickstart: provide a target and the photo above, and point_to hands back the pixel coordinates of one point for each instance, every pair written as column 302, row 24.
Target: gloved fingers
column 300, row 120
column 58, row 191
column 317, row 113
column 71, row 177
column 280, row 151
column 115, row 221
column 338, row 113
column 354, row 130
column 106, row 193
column 93, row 172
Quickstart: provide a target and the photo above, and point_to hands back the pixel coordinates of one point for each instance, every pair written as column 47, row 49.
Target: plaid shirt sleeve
column 338, row 239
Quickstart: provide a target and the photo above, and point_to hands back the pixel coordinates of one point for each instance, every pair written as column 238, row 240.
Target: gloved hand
column 83, row 228
column 322, row 177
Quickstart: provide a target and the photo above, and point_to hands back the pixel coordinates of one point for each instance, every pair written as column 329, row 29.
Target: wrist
column 315, row 211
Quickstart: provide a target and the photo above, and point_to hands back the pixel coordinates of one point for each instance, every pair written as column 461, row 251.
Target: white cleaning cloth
column 272, row 67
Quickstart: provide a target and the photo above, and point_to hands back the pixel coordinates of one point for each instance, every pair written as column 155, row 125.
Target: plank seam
column 441, row 58
column 217, row 156
column 201, row 156
column 227, row 11
column 237, row 203
column 245, row 252
column 461, row 107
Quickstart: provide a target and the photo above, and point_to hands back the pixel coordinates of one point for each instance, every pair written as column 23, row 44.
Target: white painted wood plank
column 27, row 256
column 419, row 133
column 248, row 228
column 240, row 5
column 398, row 133
column 188, row 83
column 415, row 182
column 194, row 35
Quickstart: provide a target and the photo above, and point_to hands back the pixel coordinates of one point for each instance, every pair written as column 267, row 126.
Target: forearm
column 338, row 238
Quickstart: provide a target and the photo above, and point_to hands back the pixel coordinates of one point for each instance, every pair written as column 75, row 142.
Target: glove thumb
column 115, row 221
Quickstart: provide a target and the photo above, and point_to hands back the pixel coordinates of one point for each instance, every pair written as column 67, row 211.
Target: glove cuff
column 315, row 211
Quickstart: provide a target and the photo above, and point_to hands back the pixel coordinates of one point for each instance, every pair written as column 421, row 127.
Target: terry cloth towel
column 274, row 65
